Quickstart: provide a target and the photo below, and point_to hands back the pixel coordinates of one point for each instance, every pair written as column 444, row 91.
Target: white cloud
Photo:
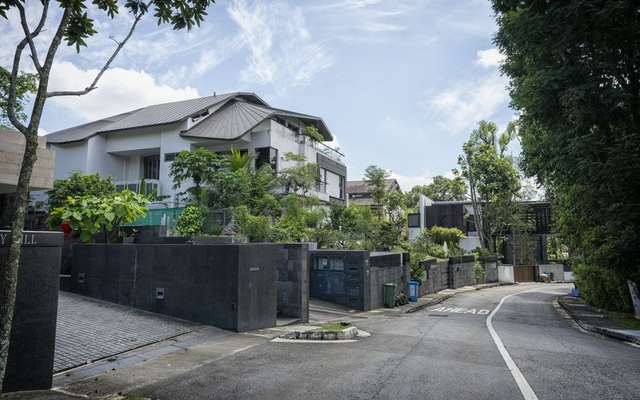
column 280, row 45
column 119, row 90
column 469, row 102
column 489, row 58
column 407, row 182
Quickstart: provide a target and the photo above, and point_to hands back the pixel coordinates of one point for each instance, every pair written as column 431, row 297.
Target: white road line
column 526, row 390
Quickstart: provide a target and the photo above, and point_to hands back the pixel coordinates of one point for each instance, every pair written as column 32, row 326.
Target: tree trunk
column 10, row 279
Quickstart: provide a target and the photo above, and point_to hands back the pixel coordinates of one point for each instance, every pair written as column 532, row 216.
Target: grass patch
column 337, row 326
column 624, row 319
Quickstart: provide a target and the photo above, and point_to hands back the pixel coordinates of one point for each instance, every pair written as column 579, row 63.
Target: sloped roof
column 236, row 119
column 361, row 187
column 231, row 116
column 85, row 131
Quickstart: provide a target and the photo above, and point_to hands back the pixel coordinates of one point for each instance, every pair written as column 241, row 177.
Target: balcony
column 150, row 185
column 322, row 148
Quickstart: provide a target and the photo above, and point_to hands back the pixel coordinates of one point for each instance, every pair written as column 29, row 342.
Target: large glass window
column 267, row 155
column 151, row 166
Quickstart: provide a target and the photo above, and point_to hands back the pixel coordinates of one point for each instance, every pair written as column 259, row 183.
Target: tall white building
column 141, row 144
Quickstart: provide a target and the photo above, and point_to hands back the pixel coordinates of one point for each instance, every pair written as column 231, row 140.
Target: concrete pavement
column 173, row 335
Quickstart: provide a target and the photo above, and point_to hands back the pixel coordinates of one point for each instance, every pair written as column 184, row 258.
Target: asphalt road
column 476, row 345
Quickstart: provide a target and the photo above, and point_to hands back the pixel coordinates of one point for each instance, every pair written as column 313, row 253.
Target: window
column 151, row 165
column 471, row 223
column 341, row 187
column 267, row 155
column 442, row 221
column 293, row 127
column 168, row 157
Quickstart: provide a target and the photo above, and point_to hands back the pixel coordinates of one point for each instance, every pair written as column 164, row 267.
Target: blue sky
column 400, row 83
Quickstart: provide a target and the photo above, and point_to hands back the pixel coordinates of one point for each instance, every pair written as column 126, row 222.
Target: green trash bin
column 389, row 295
column 552, row 276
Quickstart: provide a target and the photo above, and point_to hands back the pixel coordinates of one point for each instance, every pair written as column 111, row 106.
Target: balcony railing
column 298, row 138
column 150, row 185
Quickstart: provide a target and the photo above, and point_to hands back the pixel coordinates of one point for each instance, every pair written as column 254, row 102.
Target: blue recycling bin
column 413, row 290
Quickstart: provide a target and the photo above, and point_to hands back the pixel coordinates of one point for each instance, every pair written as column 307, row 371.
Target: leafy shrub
column 191, row 221
column 479, row 271
column 603, row 287
column 441, row 235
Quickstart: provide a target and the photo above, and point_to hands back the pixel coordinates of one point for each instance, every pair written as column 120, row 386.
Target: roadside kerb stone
column 620, row 334
column 343, row 334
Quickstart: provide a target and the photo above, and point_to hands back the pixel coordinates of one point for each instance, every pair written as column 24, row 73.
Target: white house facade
column 141, row 144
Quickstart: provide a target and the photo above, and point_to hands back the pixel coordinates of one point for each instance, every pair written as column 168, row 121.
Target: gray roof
column 231, row 116
column 85, row 131
column 361, row 187
column 236, row 119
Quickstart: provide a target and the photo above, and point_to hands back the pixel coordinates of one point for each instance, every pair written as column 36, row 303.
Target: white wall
column 69, row 157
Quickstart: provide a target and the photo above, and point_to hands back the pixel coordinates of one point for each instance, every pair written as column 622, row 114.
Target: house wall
column 69, row 157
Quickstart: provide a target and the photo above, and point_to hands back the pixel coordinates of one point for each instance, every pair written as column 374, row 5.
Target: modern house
column 460, row 215
column 140, row 145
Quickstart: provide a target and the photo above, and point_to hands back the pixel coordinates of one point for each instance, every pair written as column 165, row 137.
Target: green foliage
column 198, row 166
column 229, row 189
column 312, row 132
column 256, row 227
column 25, row 84
column 375, row 177
column 79, row 185
column 441, row 189
column 441, row 235
column 300, row 176
column 479, row 271
column 574, row 85
column 602, row 287
column 417, row 270
column 90, row 215
column 191, row 221
column 494, row 183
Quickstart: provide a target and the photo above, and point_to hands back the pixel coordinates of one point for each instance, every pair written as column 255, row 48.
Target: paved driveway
column 89, row 330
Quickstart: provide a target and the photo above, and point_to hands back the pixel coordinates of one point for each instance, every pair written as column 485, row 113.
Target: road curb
column 425, row 305
column 598, row 330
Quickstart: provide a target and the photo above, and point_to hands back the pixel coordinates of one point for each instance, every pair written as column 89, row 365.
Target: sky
column 401, row 84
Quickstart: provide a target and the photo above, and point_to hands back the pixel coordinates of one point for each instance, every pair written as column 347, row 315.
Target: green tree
column 441, row 189
column 25, row 84
column 75, row 25
column 574, row 77
column 89, row 215
column 79, row 185
column 301, row 177
column 198, row 166
column 376, row 178
column 494, row 182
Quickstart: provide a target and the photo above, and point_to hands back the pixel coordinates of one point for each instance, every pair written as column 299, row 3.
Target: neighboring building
column 360, row 192
column 12, row 145
column 460, row 214
column 141, row 144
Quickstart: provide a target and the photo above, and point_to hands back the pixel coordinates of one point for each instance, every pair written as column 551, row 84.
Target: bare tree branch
column 104, row 68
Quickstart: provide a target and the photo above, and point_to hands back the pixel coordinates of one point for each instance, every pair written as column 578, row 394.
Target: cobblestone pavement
column 90, row 329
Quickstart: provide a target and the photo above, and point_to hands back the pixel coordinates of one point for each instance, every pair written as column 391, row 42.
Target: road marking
column 526, row 390
column 460, row 310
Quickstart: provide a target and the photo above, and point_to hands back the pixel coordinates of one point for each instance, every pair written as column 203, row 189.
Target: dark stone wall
column 33, row 334
column 293, row 281
column 227, row 286
column 346, row 283
column 360, row 283
column 395, row 270
column 462, row 271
